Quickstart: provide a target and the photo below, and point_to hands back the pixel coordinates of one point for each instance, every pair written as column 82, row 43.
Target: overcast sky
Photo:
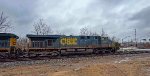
column 117, row 17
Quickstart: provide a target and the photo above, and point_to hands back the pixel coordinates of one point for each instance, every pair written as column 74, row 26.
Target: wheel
column 54, row 54
column 113, row 51
column 95, row 51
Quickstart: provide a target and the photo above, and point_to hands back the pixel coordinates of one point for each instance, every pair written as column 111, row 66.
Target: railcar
column 8, row 43
column 56, row 44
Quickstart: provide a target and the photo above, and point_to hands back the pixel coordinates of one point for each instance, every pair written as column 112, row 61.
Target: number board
column 12, row 41
column 68, row 41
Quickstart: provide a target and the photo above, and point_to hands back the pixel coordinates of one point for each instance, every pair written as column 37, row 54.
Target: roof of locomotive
column 54, row 36
column 31, row 35
column 46, row 36
column 8, row 35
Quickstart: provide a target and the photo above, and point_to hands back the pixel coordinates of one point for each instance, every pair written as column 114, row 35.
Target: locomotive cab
column 8, row 43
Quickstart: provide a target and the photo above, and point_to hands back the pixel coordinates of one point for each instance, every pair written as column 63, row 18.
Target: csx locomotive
column 57, row 44
column 8, row 43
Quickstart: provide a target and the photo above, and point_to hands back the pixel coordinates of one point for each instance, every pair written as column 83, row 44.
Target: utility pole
column 135, row 39
column 103, row 33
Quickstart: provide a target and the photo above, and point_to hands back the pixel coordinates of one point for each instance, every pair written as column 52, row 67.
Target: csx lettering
column 68, row 41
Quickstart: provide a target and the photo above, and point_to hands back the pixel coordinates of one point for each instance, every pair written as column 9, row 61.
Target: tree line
column 39, row 28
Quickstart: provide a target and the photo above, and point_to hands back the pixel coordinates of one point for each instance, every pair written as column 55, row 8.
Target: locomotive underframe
column 59, row 51
column 9, row 52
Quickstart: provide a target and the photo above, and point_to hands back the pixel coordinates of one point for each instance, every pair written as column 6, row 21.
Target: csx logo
column 12, row 41
column 68, row 41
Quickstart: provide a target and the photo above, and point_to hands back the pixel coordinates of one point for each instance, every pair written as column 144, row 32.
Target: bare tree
column 41, row 28
column 115, row 39
column 4, row 23
column 22, row 43
column 85, row 31
column 93, row 34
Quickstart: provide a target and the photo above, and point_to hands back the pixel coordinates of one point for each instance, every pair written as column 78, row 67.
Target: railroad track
column 10, row 62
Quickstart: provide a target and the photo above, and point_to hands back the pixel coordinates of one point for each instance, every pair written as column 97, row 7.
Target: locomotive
column 55, row 45
column 8, row 43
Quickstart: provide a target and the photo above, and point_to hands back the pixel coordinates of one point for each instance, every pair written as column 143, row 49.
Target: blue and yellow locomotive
column 58, row 43
column 8, row 42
